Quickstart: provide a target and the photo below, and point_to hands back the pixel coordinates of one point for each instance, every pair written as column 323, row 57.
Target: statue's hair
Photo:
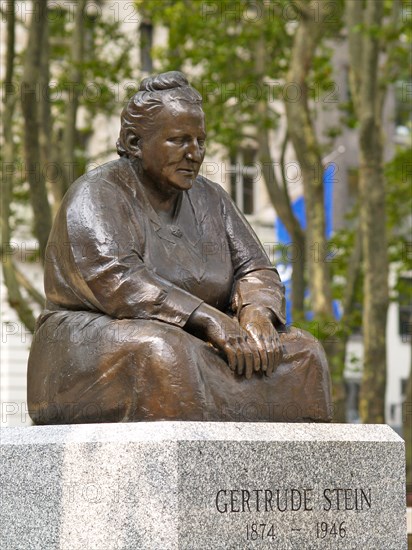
column 154, row 93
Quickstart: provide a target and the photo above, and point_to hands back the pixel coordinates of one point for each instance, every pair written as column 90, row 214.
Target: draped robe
column 120, row 286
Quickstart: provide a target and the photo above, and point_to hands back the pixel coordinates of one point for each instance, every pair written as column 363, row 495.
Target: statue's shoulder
column 213, row 195
column 98, row 182
column 99, row 186
column 111, row 173
column 211, row 188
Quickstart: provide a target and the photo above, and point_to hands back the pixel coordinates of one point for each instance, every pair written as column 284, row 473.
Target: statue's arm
column 258, row 294
column 257, row 282
column 260, row 288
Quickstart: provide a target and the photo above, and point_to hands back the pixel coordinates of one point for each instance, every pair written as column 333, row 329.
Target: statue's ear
column 133, row 145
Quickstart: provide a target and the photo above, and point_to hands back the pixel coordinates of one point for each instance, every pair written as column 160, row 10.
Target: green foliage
column 219, row 40
column 342, row 245
column 239, row 52
column 398, row 174
column 399, row 212
column 106, row 63
column 399, row 225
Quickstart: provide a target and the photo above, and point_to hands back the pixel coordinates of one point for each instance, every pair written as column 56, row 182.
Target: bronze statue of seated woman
column 161, row 302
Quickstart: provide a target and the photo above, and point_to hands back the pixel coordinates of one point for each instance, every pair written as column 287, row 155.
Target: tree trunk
column 281, row 203
column 52, row 166
column 29, row 99
column 364, row 56
column 375, row 304
column 304, row 140
column 337, row 356
column 15, row 298
column 303, row 136
column 279, row 194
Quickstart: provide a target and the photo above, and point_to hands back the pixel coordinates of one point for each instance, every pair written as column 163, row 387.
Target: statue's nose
column 193, row 152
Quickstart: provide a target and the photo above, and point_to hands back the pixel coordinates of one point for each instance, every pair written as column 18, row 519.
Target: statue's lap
column 88, row 367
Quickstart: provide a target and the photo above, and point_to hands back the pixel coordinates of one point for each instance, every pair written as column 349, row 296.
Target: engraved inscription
column 347, row 499
column 263, row 500
column 324, row 529
column 291, row 499
column 294, row 499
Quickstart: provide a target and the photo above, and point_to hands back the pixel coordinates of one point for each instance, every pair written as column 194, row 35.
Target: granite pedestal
column 188, row 485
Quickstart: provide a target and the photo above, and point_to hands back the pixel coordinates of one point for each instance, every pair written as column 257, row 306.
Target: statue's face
column 172, row 151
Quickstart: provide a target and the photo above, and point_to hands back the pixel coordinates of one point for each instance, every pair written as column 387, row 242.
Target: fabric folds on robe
column 120, row 286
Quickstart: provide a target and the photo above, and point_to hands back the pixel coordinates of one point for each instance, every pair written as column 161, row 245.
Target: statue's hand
column 258, row 321
column 226, row 334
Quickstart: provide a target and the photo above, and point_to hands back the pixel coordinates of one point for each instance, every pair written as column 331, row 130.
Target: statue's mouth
column 187, row 171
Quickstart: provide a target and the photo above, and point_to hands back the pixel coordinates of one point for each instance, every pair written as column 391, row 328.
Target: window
column 405, row 307
column 403, row 117
column 146, row 43
column 404, row 386
column 243, row 171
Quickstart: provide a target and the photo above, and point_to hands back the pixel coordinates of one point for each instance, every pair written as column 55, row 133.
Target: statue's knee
column 303, row 341
column 166, row 347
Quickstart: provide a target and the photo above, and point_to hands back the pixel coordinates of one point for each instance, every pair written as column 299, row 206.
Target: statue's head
column 169, row 90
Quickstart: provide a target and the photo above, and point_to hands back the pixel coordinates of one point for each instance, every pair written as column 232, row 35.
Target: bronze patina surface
column 161, row 302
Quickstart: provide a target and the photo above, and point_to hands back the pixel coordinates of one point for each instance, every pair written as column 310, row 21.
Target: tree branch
column 370, row 46
column 388, row 71
column 34, row 294
column 282, row 163
column 354, row 18
column 352, row 273
column 302, row 7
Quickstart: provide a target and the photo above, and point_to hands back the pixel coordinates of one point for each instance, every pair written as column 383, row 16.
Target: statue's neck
column 165, row 201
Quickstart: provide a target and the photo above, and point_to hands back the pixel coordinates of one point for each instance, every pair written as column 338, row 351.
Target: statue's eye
column 176, row 140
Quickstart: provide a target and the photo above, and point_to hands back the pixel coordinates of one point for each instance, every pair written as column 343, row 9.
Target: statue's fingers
column 254, row 347
column 279, row 354
column 249, row 361
column 264, row 358
column 278, row 351
column 261, row 350
column 275, row 354
column 257, row 360
column 271, row 361
column 231, row 357
column 240, row 358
